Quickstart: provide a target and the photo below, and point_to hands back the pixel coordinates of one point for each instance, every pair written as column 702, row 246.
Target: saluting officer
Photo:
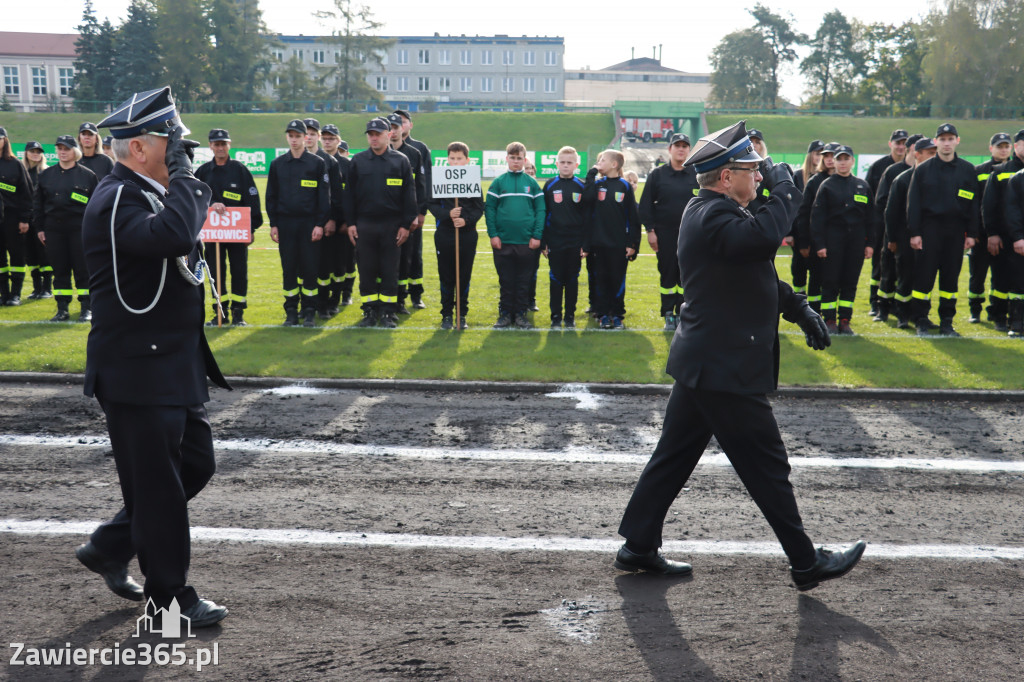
column 415, row 285
column 233, row 186
column 147, row 358
column 342, row 256
column 93, row 157
column 942, row 218
column 886, row 293
column 328, row 245
column 668, row 190
column 380, row 205
column 993, row 218
column 399, row 144
column 15, row 214
column 60, row 201
column 978, row 258
column 298, row 207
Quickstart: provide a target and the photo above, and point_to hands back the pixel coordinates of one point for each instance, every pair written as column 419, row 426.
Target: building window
column 444, row 57
column 300, row 54
column 529, row 58
column 508, row 58
column 423, row 57
column 423, row 84
column 38, row 80
column 550, row 58
column 279, row 55
column 403, row 84
column 318, row 56
column 465, row 85
column 508, row 84
column 486, row 84
column 337, row 56
column 549, row 84
column 486, row 57
column 403, row 56
column 66, row 78
column 444, row 84
column 465, row 57
column 12, row 86
column 382, row 83
column 529, row 85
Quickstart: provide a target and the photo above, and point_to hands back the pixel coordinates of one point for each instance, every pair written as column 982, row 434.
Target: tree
column 777, row 32
column 353, row 33
column 184, row 46
column 94, row 60
column 293, row 82
column 240, row 61
column 138, row 61
column 741, row 70
column 892, row 67
column 834, row 62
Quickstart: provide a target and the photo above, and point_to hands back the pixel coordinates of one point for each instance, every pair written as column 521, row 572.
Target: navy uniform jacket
column 232, row 185
column 728, row 334
column 842, row 203
column 614, row 220
column 896, row 209
column 298, row 188
column 160, row 357
column 666, row 193
column 62, row 196
column 380, row 188
column 566, row 213
column 15, row 190
column 99, row 163
column 943, row 193
column 993, row 205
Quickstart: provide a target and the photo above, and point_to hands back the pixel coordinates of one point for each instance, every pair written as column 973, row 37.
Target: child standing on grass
column 463, row 218
column 515, row 223
column 563, row 235
column 613, row 236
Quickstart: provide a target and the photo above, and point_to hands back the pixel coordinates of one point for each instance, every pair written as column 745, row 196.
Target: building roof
column 37, row 44
column 640, row 64
column 498, row 39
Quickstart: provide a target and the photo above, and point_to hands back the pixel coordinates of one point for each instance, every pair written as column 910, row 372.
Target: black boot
column 1016, row 321
column 37, row 284
column 309, row 317
column 369, row 318
column 223, row 317
column 62, row 313
column 238, row 317
column 85, row 314
column 46, row 290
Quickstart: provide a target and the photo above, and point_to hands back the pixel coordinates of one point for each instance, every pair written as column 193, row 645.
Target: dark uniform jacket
column 802, row 224
column 666, row 193
column 614, row 221
column 298, row 188
column 62, row 196
column 99, row 163
column 336, row 186
column 727, row 338
column 567, row 213
column 943, row 193
column 882, row 194
column 1014, row 210
column 993, row 204
column 841, row 204
column 896, row 209
column 15, row 190
column 427, row 167
column 418, row 175
column 984, row 171
column 380, row 187
column 472, row 212
column 232, row 185
column 344, row 165
column 160, row 357
column 877, row 171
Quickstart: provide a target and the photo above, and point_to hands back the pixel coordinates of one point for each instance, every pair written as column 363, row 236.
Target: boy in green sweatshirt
column 514, row 214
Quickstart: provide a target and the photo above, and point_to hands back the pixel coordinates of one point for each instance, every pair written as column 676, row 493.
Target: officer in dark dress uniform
column 233, row 186
column 380, row 205
column 93, row 157
column 668, row 190
column 147, row 358
column 725, row 358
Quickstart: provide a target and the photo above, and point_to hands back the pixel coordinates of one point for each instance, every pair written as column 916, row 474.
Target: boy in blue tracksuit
column 613, row 236
column 563, row 235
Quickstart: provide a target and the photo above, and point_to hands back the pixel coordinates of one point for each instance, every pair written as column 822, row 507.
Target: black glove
column 776, row 173
column 815, row 331
column 591, row 174
column 179, row 155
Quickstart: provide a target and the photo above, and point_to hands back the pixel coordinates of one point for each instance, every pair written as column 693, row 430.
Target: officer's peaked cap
column 728, row 145
column 144, row 113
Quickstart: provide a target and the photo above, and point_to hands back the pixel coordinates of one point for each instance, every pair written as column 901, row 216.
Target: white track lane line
column 297, row 536
column 292, row 448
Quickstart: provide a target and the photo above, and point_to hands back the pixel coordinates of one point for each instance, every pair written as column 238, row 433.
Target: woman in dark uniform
column 35, row 253
column 16, row 196
column 802, row 243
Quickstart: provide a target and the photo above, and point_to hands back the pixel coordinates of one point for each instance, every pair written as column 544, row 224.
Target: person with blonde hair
column 35, row 253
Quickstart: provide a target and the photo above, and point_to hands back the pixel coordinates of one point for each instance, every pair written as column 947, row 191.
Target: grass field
column 881, row 356
column 480, row 130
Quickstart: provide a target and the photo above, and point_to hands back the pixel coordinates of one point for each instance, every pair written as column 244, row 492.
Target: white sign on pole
column 450, row 182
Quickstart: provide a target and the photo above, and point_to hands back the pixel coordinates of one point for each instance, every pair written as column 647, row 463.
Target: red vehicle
column 647, row 129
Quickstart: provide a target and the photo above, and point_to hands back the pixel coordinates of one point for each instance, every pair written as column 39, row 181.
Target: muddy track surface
column 386, row 535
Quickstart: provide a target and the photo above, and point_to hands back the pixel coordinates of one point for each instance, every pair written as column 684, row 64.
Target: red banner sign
column 232, row 226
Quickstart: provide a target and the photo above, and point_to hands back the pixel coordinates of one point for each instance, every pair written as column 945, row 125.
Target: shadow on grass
column 876, row 364
column 570, row 354
column 15, row 334
column 437, row 357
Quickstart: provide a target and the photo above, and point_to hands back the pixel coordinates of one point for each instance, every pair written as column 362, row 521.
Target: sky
column 597, row 33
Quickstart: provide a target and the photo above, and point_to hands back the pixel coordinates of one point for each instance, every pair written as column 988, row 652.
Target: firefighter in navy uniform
column 35, row 252
column 399, row 144
column 329, row 244
column 993, row 218
column 798, row 264
column 886, row 291
column 93, row 157
column 16, row 214
column 1013, row 245
column 233, row 186
column 978, row 258
column 380, row 205
column 342, row 267
column 897, row 153
column 725, row 359
column 60, row 202
column 842, row 233
column 298, row 207
column 668, row 190
column 147, row 359
column 802, row 224
column 416, row 237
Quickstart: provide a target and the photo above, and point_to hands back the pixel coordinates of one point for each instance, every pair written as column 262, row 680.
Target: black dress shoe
column 205, row 613
column 828, row 565
column 652, row 562
column 114, row 573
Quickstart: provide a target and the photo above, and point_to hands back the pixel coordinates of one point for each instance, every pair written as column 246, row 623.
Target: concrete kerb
column 449, row 386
